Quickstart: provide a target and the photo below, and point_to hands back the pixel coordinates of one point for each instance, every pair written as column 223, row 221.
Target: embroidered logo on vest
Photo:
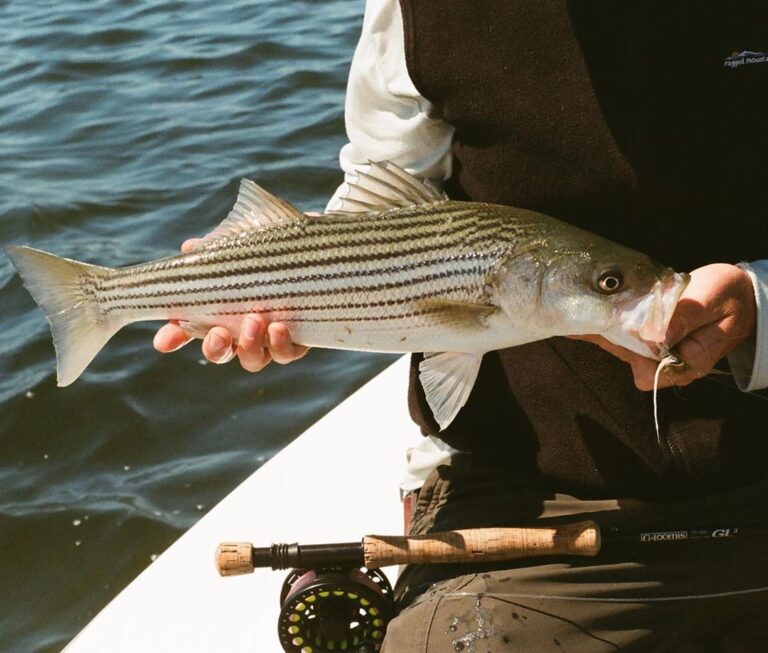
column 745, row 57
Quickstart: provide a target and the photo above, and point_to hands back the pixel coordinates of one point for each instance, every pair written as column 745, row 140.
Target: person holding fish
column 514, row 172
column 621, row 119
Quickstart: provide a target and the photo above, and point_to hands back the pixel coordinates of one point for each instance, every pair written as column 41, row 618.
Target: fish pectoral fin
column 448, row 378
column 254, row 209
column 384, row 185
column 461, row 315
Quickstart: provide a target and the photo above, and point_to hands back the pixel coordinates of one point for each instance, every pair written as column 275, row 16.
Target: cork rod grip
column 483, row 545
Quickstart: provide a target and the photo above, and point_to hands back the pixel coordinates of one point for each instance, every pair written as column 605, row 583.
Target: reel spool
column 334, row 609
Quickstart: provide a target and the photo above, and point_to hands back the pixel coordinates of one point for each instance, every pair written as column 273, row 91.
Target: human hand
column 715, row 314
column 258, row 342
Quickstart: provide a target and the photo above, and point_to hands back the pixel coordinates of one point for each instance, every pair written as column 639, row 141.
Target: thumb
column 687, row 318
column 190, row 245
column 676, row 331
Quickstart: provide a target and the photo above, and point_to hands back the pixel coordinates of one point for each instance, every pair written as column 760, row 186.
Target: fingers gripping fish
column 399, row 268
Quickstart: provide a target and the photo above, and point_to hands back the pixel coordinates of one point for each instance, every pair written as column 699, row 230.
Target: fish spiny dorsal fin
column 385, row 185
column 255, row 208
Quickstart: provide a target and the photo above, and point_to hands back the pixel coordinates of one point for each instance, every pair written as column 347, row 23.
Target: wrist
column 749, row 362
column 747, row 296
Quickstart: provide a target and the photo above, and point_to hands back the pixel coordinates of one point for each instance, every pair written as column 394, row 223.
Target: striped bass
column 398, row 268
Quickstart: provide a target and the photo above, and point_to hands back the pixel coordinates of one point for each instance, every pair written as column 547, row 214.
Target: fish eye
column 610, row 281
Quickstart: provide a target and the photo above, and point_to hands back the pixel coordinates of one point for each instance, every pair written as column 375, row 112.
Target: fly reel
column 334, row 609
column 337, row 600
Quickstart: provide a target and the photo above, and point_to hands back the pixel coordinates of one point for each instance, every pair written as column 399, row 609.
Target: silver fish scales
column 398, row 268
column 337, row 268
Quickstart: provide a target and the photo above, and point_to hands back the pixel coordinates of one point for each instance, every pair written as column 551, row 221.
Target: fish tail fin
column 59, row 285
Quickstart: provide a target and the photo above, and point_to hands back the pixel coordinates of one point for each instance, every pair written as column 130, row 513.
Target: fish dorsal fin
column 448, row 378
column 384, row 185
column 255, row 208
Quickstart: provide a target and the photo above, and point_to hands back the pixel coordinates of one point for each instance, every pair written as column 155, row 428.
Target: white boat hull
column 335, row 483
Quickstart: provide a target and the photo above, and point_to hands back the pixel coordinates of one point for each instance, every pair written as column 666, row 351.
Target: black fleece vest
column 645, row 121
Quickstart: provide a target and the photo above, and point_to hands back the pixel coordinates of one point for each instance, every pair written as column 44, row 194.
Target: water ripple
column 124, row 129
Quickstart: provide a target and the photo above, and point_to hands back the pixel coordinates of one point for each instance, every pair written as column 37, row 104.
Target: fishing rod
column 337, row 599
column 375, row 551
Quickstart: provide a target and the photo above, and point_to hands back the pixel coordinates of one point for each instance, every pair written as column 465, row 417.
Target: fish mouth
column 643, row 322
column 665, row 297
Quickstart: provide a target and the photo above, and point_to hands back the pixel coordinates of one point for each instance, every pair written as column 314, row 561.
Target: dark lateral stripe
column 333, row 259
column 214, row 269
column 475, row 268
column 318, row 276
column 312, row 244
column 346, row 318
column 286, row 232
column 390, row 286
column 356, row 318
column 299, row 294
column 325, row 307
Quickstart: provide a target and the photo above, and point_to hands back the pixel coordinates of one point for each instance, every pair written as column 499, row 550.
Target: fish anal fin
column 448, row 379
column 254, row 209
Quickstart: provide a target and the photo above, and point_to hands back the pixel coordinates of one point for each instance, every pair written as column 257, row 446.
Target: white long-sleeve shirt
column 388, row 119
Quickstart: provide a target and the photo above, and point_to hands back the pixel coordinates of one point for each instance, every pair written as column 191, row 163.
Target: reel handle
column 471, row 545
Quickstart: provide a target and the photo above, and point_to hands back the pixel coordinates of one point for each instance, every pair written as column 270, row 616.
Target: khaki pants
column 690, row 596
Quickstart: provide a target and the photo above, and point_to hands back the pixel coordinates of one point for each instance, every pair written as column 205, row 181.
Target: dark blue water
column 124, row 129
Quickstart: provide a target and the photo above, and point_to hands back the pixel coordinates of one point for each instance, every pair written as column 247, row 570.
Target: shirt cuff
column 749, row 362
column 430, row 453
